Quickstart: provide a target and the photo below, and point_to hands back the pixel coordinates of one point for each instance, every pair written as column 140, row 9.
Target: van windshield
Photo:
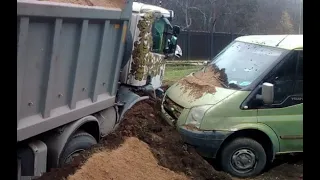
column 242, row 63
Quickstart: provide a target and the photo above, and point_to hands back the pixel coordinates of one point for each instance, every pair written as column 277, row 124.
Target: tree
column 236, row 16
column 285, row 25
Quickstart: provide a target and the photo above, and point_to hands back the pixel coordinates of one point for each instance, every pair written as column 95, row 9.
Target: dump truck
column 79, row 69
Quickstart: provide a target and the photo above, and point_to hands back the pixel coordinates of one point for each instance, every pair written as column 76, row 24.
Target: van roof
column 289, row 42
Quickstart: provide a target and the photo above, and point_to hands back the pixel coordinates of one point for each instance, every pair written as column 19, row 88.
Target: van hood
column 188, row 95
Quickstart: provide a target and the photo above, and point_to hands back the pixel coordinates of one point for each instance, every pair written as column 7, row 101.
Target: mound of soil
column 132, row 159
column 102, row 3
column 143, row 121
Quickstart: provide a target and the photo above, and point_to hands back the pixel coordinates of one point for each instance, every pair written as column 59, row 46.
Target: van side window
column 283, row 79
column 298, row 88
column 288, row 81
column 287, row 78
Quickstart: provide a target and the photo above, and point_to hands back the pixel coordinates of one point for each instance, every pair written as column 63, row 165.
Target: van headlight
column 196, row 115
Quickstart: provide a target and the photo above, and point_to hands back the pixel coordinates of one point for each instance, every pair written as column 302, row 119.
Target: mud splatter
column 144, row 62
column 141, row 53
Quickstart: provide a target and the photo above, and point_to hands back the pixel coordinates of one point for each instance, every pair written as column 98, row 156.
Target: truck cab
column 245, row 106
column 154, row 41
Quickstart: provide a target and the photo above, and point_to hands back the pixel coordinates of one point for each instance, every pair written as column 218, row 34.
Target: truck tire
column 128, row 45
column 79, row 142
column 243, row 157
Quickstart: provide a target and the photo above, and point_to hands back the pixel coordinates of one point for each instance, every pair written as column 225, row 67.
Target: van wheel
column 243, row 157
column 79, row 142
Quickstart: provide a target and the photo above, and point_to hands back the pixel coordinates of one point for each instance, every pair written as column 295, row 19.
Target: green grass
column 174, row 72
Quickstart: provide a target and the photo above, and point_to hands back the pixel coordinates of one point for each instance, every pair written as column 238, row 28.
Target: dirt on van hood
column 103, row 3
column 201, row 82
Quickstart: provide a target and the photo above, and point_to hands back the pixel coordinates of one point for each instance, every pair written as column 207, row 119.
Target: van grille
column 172, row 108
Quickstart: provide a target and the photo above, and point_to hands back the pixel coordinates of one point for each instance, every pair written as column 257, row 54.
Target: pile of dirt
column 103, row 3
column 201, row 82
column 132, row 159
column 143, row 121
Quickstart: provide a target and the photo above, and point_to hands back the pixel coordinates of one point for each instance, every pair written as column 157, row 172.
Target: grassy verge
column 176, row 72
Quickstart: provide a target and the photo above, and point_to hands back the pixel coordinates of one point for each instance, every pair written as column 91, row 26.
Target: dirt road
column 284, row 168
column 170, row 158
column 287, row 167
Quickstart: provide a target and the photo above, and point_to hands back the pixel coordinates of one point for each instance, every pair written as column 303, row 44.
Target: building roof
column 289, row 42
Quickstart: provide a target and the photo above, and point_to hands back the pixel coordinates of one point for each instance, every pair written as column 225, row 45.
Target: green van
column 253, row 114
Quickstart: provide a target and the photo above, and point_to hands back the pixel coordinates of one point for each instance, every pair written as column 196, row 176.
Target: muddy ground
column 143, row 121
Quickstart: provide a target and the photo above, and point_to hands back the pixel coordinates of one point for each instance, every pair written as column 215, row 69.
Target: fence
column 197, row 45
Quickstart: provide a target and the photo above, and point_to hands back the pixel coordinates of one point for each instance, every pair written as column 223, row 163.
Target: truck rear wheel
column 243, row 157
column 79, row 142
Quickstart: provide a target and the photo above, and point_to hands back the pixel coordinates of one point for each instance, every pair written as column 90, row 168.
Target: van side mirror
column 267, row 94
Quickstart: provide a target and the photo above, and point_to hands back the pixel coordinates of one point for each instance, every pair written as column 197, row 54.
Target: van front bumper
column 207, row 143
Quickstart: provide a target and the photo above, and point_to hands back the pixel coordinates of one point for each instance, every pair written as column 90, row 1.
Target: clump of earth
column 204, row 81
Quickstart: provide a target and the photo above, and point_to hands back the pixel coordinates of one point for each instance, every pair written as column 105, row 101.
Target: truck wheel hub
column 71, row 157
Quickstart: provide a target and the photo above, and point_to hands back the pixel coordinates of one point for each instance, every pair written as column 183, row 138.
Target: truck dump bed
column 68, row 61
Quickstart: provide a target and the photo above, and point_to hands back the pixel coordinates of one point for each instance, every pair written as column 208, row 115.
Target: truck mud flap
column 126, row 99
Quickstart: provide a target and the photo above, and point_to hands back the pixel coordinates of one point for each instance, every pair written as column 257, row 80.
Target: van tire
column 79, row 142
column 243, row 157
column 128, row 45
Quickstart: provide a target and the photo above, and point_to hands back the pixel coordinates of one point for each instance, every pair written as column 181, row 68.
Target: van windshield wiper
column 223, row 84
column 218, row 79
column 234, row 86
